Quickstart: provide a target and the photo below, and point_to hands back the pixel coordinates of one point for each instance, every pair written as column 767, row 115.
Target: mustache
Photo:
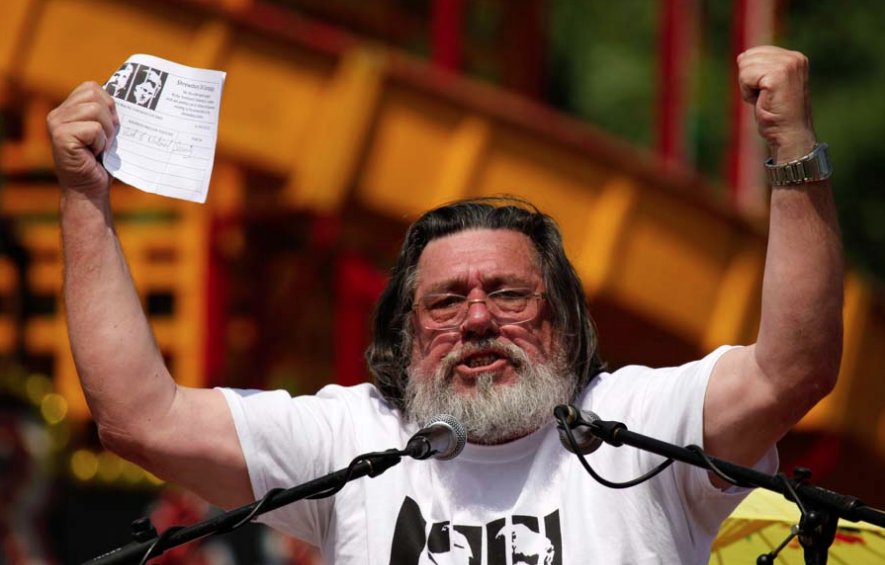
column 517, row 357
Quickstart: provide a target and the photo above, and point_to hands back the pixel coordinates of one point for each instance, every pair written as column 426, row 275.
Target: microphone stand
column 147, row 540
column 821, row 508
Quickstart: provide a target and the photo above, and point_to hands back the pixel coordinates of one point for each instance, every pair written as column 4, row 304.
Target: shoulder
column 639, row 386
column 642, row 375
column 357, row 417
column 363, row 392
column 329, row 399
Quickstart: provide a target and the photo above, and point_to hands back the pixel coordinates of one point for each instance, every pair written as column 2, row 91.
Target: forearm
column 121, row 369
column 800, row 338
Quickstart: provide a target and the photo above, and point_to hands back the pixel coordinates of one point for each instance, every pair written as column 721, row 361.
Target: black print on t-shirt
column 529, row 540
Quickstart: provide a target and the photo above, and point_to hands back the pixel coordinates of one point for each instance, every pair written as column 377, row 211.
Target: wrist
column 814, row 166
column 79, row 200
column 73, row 197
column 93, row 189
column 793, row 146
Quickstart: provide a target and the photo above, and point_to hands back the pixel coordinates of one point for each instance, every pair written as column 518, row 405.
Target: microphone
column 579, row 422
column 442, row 437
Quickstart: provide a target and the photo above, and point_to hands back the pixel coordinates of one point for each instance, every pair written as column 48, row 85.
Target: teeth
column 481, row 360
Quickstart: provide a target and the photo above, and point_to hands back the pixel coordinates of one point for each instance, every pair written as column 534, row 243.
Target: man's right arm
column 183, row 435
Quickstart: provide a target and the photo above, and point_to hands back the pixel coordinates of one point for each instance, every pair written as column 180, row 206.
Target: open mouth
column 481, row 360
column 488, row 360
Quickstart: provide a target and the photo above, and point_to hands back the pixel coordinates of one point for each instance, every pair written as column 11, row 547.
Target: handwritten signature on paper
column 158, row 141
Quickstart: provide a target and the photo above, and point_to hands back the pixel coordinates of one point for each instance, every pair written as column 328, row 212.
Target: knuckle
column 797, row 60
column 94, row 129
column 85, row 89
column 95, row 91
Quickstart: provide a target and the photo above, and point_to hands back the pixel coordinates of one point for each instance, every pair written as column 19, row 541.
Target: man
column 116, row 85
column 483, row 318
column 146, row 92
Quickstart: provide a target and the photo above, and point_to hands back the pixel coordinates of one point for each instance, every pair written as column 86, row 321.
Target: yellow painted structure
column 348, row 124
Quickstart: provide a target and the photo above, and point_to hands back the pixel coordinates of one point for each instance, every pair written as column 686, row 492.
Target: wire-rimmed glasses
column 447, row 310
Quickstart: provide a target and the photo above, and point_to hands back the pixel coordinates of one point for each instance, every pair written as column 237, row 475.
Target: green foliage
column 603, row 65
column 844, row 43
column 604, row 58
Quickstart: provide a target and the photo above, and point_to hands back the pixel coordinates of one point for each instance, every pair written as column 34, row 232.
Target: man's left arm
column 757, row 393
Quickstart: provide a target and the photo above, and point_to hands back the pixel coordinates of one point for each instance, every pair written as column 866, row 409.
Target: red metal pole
column 522, row 51
column 216, row 292
column 358, row 285
column 674, row 41
column 447, row 33
column 753, row 21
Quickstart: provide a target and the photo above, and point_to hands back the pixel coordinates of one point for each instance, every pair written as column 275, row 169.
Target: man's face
column 474, row 263
column 501, row 380
column 145, row 90
column 120, row 77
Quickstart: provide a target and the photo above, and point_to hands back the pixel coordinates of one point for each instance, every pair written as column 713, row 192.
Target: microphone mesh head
column 458, row 431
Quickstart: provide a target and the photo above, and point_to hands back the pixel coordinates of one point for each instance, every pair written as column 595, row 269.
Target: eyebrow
column 492, row 283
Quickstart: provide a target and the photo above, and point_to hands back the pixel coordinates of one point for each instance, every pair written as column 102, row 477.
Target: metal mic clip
column 578, row 423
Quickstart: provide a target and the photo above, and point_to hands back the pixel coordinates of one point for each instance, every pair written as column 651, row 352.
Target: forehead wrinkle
column 477, row 263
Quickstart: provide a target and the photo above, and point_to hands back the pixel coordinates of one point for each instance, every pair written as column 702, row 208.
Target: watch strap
column 812, row 167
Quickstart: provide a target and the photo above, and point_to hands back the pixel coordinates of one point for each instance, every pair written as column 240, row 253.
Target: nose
column 479, row 321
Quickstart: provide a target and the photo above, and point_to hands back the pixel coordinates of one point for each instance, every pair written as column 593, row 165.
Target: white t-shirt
column 527, row 501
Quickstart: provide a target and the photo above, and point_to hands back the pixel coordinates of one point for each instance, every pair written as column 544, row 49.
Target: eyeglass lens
column 506, row 306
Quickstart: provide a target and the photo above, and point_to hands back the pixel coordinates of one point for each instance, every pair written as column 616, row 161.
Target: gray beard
column 492, row 414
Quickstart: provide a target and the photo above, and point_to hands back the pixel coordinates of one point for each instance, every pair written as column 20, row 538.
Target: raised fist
column 775, row 81
column 80, row 129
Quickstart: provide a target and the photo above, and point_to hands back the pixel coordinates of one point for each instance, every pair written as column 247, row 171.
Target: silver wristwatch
column 813, row 167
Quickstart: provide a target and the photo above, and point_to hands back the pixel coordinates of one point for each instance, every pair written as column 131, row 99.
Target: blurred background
column 343, row 119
